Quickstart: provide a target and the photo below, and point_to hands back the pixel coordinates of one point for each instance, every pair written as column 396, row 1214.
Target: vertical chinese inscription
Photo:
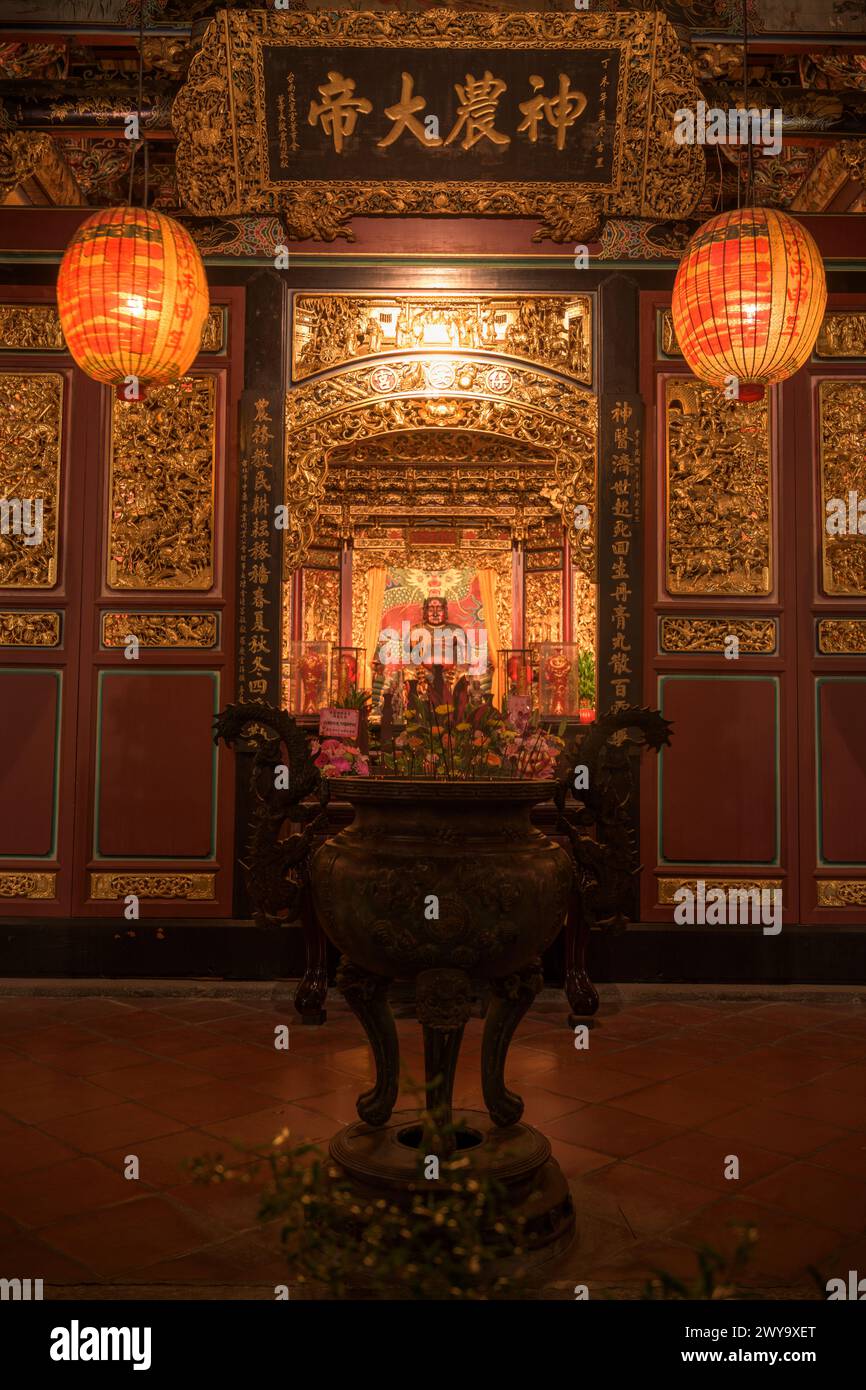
column 620, row 552
column 256, row 616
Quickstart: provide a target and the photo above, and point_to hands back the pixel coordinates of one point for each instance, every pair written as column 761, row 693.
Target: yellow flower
column 442, row 709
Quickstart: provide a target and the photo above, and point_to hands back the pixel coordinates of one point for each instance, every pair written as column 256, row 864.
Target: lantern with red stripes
column 748, row 300
column 132, row 295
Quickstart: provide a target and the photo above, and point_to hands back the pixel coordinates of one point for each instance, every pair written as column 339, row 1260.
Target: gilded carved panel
column 322, row 606
column 686, row 634
column 21, row 883
column 106, row 887
column 842, row 892
column 842, row 452
column 161, row 507
column 841, row 636
column 718, row 535
column 36, row 328
column 842, row 334
column 551, row 330
column 668, row 887
column 27, row 628
column 542, row 593
column 160, row 629
column 31, row 416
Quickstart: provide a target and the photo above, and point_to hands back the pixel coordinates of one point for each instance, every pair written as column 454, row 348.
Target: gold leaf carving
column 161, row 518
column 551, row 330
column 842, row 432
column 22, row 628
column 160, row 629
column 322, row 606
column 668, row 887
column 36, row 328
column 109, row 886
column 841, row 892
column 841, row 636
column 709, row 634
column 718, row 534
column 842, row 334
column 20, row 883
column 218, row 121
column 31, row 413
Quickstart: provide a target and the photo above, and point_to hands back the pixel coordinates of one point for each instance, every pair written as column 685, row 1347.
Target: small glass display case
column 558, row 679
column 517, row 665
column 308, row 677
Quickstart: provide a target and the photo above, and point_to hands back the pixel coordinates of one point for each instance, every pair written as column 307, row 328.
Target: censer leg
column 367, row 997
column 512, row 996
column 443, row 1000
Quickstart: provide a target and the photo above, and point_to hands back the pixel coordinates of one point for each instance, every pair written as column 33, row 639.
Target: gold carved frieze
column 719, row 492
column 841, row 636
column 452, row 394
column 669, row 887
column 107, row 887
column 161, row 495
column 842, row 334
column 841, row 892
column 666, row 338
column 160, row 629
column 755, row 636
column 31, row 416
column 322, row 606
column 220, row 116
column 330, row 330
column 21, row 883
column 37, row 328
column 542, row 607
column 27, row 628
column 842, row 452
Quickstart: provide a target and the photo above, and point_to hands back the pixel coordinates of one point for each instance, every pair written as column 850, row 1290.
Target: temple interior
column 433, row 655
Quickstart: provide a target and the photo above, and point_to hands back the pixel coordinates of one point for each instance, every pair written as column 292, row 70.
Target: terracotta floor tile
column 543, row 1106
column 162, row 1161
column 176, row 1042
column 816, row 1193
column 341, row 1105
column 151, row 1077
column 229, row 1206
column 77, row 1185
column 64, row 1095
column 586, row 1080
column 820, row 1042
column 788, row 1134
column 795, row 1016
column 649, row 1201
column 212, row 1100
column 43, row 1044
column 23, row 1074
column 677, row 1103
column 232, row 1059
column 31, row 1257
column 241, row 1259
column 24, row 1149
column 96, row 1057
column 847, row 1079
column 653, row 1060
column 128, row 1238
column 785, row 1246
column 121, row 1123
column 202, row 1010
column 575, row 1161
column 819, row 1103
column 611, row 1131
column 678, row 1014
column 260, row 1127
column 846, row 1155
column 703, row 1158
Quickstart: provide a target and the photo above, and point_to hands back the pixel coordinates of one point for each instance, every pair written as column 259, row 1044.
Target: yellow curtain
column 375, row 594
column 487, row 586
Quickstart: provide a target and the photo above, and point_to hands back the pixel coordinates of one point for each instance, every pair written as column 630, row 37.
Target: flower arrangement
column 334, row 758
column 467, row 740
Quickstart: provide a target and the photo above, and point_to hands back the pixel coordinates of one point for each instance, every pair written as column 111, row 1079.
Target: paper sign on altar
column 339, row 723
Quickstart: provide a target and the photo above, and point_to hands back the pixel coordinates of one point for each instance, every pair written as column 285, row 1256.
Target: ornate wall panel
column 718, row 495
column 841, row 636
column 31, row 419
column 705, row 634
column 842, row 335
column 36, row 328
column 842, row 445
column 186, row 887
column 554, row 331
column 842, row 892
column 18, row 883
column 161, row 507
column 542, row 607
column 322, row 606
column 669, row 887
column 29, row 628
column 175, row 630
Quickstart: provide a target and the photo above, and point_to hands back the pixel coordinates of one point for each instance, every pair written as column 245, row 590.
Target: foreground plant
column 716, row 1277
column 448, row 1241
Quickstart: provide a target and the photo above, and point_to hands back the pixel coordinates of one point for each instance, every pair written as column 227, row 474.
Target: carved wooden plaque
column 328, row 115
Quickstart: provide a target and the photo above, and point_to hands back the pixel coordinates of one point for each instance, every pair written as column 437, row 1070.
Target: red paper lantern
column 748, row 300
column 132, row 295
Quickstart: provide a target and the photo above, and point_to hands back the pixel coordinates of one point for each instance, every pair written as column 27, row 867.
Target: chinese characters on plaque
column 256, row 678
column 620, row 552
column 421, row 113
